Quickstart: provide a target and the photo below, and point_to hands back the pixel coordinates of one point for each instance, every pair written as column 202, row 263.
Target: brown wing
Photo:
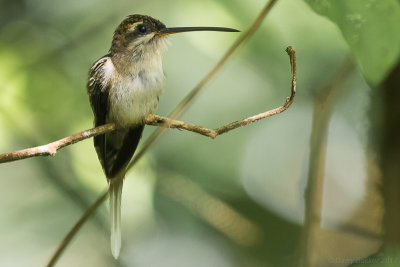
column 117, row 148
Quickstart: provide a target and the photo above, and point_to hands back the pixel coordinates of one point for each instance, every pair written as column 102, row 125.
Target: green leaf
column 372, row 30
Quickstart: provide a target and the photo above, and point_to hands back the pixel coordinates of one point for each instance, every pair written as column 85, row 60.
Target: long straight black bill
column 173, row 30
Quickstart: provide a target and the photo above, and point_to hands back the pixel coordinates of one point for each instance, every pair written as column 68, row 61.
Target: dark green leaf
column 371, row 29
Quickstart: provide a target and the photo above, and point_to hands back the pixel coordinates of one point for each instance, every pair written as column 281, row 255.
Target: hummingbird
column 124, row 87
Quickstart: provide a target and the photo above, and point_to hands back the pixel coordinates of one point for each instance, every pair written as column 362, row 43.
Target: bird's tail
column 115, row 212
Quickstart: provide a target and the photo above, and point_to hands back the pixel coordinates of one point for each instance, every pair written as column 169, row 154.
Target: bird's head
column 140, row 34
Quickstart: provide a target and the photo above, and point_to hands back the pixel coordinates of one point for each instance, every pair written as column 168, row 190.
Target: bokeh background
column 238, row 200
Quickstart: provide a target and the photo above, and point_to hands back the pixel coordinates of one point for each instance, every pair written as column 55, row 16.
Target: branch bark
column 155, row 120
column 52, row 148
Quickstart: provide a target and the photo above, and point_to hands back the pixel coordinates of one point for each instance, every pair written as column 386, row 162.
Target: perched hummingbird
column 124, row 87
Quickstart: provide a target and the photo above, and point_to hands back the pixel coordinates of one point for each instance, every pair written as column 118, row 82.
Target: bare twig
column 324, row 103
column 155, row 120
column 75, row 229
column 171, row 123
column 52, row 148
column 175, row 113
column 181, row 107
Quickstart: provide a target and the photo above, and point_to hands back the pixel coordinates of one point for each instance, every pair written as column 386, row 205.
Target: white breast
column 133, row 97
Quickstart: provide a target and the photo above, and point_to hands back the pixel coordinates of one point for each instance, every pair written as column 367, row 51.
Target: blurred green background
column 237, row 200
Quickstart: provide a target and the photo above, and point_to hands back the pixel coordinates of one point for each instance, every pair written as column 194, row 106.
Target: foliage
column 371, row 29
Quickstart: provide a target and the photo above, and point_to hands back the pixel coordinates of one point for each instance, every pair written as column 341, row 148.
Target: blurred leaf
column 370, row 27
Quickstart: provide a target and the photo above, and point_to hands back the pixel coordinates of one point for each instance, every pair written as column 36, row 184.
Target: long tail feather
column 115, row 212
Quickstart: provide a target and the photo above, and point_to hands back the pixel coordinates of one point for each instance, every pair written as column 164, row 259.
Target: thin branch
column 52, row 148
column 75, row 229
column 324, row 104
column 181, row 107
column 155, row 120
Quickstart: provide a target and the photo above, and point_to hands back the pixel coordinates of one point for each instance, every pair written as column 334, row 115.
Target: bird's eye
column 142, row 28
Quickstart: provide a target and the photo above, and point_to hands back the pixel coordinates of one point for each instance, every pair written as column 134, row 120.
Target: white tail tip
column 116, row 243
column 115, row 212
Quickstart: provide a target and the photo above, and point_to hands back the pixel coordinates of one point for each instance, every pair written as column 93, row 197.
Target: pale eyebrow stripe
column 134, row 25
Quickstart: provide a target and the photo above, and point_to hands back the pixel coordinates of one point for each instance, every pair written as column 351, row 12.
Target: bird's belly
column 132, row 100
